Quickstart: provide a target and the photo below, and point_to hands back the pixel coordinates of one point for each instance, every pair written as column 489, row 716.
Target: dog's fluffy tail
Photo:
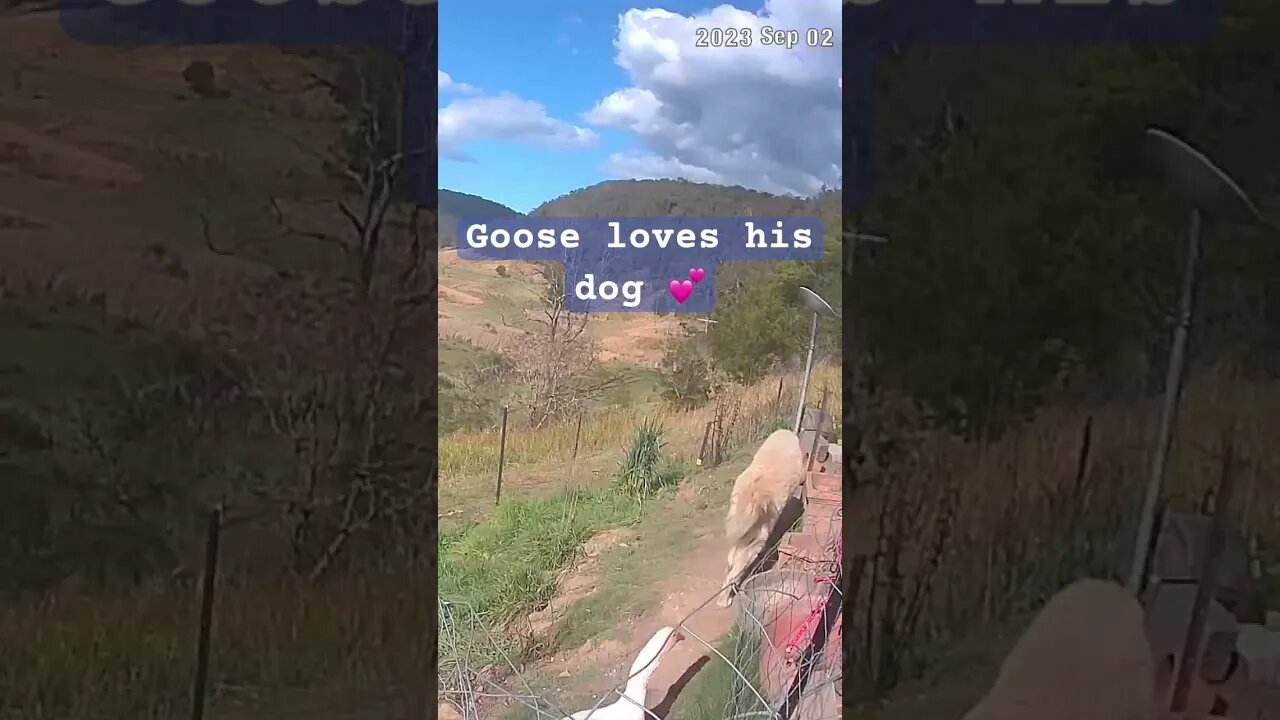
column 746, row 510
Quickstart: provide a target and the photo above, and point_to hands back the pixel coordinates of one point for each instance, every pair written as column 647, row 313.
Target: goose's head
column 651, row 654
column 633, row 696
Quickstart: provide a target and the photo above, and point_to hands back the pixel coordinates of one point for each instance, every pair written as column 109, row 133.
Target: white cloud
column 505, row 116
column 765, row 117
column 447, row 84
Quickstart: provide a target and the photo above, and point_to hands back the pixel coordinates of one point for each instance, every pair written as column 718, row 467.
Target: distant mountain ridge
column 454, row 206
column 639, row 198
column 668, row 198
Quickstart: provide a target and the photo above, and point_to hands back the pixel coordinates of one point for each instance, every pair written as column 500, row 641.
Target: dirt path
column 689, row 585
column 697, row 582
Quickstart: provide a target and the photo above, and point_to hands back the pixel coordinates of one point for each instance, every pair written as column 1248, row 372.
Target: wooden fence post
column 717, row 439
column 206, row 612
column 702, row 451
column 502, row 455
column 1082, row 475
column 577, row 436
column 1190, row 656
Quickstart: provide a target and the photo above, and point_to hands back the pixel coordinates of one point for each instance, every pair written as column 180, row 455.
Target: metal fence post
column 502, row 455
column 206, row 612
column 702, row 451
column 1188, row 660
column 577, row 437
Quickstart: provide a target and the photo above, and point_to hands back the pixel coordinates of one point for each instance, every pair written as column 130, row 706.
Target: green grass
column 957, row 679
column 147, row 118
column 505, row 298
column 508, row 564
column 636, row 385
column 599, row 614
column 130, row 654
column 630, row 575
column 53, row 351
column 469, row 459
column 456, row 356
column 642, row 471
column 711, row 695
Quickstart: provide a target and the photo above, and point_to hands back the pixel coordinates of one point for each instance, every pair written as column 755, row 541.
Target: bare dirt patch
column 467, row 286
column 25, row 152
column 686, row 586
column 11, row 219
column 459, row 297
column 578, row 581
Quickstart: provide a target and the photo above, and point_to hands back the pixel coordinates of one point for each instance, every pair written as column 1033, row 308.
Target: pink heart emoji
column 696, row 274
column 680, row 290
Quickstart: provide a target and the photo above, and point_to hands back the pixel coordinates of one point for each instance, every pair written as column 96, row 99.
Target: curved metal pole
column 808, row 368
column 1169, row 409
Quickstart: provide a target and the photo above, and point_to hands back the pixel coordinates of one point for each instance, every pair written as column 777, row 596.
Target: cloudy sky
column 538, row 98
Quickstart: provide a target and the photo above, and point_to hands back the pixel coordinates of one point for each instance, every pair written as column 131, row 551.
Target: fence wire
column 781, row 660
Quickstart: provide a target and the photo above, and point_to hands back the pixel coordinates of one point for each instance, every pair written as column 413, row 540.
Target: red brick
column 827, row 498
column 807, row 546
column 827, row 482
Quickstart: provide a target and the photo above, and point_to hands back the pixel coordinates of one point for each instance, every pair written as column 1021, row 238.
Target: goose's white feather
column 631, row 706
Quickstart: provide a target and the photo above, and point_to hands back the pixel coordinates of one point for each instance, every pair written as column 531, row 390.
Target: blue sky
column 504, row 58
column 489, row 44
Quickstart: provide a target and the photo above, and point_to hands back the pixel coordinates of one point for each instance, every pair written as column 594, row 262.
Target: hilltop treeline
column 455, row 205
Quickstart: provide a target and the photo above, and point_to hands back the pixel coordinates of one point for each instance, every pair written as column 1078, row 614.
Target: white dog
column 759, row 495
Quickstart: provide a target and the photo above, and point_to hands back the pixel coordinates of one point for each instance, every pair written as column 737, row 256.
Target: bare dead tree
column 336, row 347
column 132, row 461
column 554, row 357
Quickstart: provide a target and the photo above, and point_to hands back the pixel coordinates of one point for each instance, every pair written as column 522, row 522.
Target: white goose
column 631, row 706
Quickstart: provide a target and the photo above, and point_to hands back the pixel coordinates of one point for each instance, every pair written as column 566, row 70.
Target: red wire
column 816, row 613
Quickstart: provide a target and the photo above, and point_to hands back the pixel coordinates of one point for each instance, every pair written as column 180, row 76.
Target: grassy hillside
column 117, row 135
column 129, row 351
column 489, row 306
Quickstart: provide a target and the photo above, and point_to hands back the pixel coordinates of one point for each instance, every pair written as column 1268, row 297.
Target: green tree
column 1030, row 244
column 760, row 321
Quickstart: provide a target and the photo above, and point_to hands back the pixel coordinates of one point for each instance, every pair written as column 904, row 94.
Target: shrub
column 687, row 376
column 200, row 78
column 642, row 472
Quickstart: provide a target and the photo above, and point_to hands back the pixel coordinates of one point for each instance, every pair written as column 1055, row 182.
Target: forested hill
column 455, row 205
column 659, row 198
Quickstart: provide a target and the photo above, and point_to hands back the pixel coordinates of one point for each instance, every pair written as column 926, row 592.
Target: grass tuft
column 641, row 472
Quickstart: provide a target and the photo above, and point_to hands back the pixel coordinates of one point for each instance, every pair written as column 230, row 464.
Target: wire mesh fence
column 781, row 658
